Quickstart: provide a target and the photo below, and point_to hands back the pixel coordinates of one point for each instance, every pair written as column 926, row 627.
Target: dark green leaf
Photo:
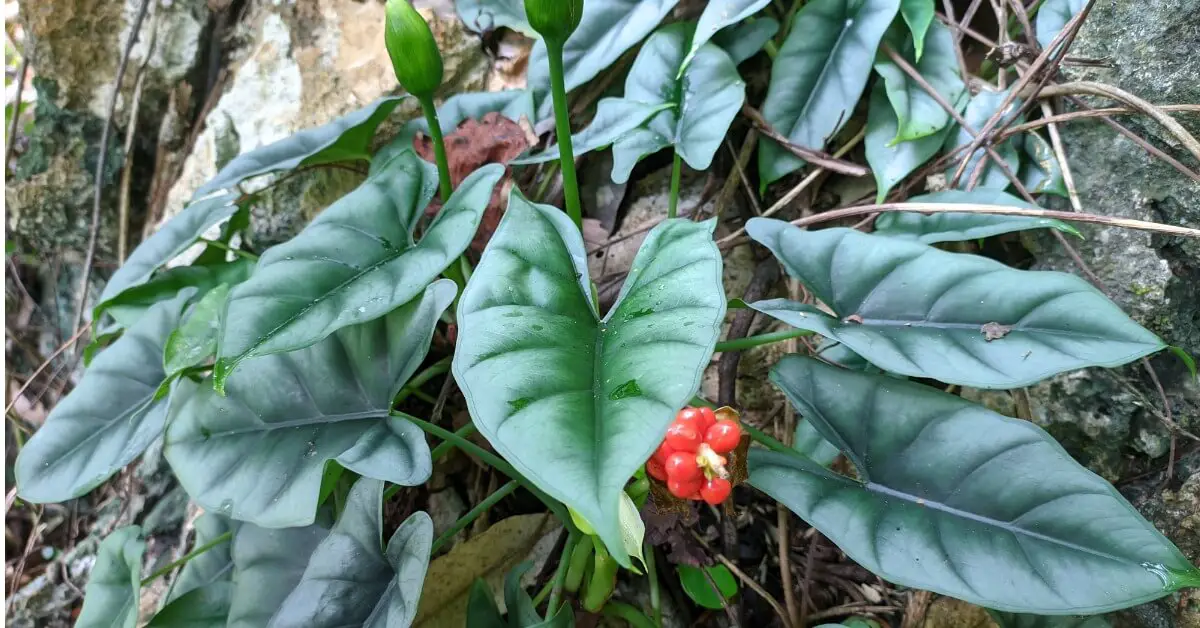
column 111, row 596
column 533, row 356
column 1040, row 172
column 912, row 309
column 267, row 565
column 1053, row 16
column 110, row 417
column 1186, row 358
column 981, row 107
column 258, row 453
column 169, row 242
column 484, row 16
column 607, row 30
column 891, row 162
column 955, row 227
column 614, row 118
column 351, row 580
column 347, row 138
column 481, row 607
column 745, row 40
column 919, row 115
column 819, row 75
column 717, row 15
column 128, row 307
column 918, row 14
column 205, row 607
column 698, row 587
column 808, row 441
column 1009, row 521
column 101, row 340
column 214, row 565
column 704, row 98
column 195, row 340
column 521, row 611
column 1019, row 620
column 354, row 263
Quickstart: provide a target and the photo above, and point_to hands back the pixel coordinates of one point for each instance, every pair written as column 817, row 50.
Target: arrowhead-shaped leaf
column 981, row 107
column 195, row 340
column 111, row 597
column 808, row 441
column 258, row 453
column 169, row 242
column 819, row 75
column 717, row 15
column 746, row 39
column 128, row 307
column 704, row 96
column 347, row 138
column 352, row 580
column 354, row 263
column 891, row 162
column 959, row 227
column 267, row 565
column 912, row 309
column 533, row 357
column 108, row 420
column 614, row 118
column 918, row 14
column 918, row 113
column 1053, row 16
column 1007, row 521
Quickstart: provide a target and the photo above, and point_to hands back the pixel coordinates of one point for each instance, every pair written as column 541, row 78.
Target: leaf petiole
column 562, row 120
column 162, row 571
column 473, row 514
column 750, row 342
column 439, row 145
column 676, row 175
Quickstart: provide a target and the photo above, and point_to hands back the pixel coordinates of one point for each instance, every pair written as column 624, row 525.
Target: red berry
column 655, row 468
column 723, row 436
column 684, row 489
column 708, row 416
column 663, row 452
column 682, row 466
column 693, row 417
column 683, row 437
column 715, row 490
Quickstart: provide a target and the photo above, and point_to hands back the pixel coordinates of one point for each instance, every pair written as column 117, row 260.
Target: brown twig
column 130, row 132
column 15, row 124
column 824, row 160
column 43, row 366
column 851, row 609
column 952, row 21
column 1069, row 116
column 1060, row 154
column 746, row 580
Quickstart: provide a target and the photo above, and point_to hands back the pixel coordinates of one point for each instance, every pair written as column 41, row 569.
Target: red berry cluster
column 690, row 459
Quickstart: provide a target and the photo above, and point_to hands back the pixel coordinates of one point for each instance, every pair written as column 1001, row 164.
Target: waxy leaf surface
column 110, row 599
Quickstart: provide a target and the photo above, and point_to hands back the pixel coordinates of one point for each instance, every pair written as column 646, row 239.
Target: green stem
column 422, row 378
column 765, row 439
column 443, row 449
column 562, row 120
column 676, row 175
column 763, row 339
column 560, row 575
column 225, row 247
column 578, row 566
column 224, row 538
column 439, row 146
column 470, row 517
column 629, row 614
column 652, row 574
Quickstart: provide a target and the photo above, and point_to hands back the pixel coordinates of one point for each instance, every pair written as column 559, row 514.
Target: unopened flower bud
column 414, row 52
column 554, row 20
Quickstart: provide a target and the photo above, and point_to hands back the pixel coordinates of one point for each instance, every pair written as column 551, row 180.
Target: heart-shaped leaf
column 1053, row 16
column 111, row 596
column 819, row 75
column 215, row 565
column 956, row 227
column 267, row 565
column 533, row 356
column 352, row 580
column 918, row 14
column 354, row 263
column 608, row 28
column 347, row 138
column 169, row 242
column 981, row 107
column 918, row 113
column 195, row 340
column 110, row 418
column 258, row 453
column 717, row 15
column 746, row 39
column 891, row 162
column 705, row 96
column 614, row 118
column 1009, row 521
column 912, row 309
column 128, row 307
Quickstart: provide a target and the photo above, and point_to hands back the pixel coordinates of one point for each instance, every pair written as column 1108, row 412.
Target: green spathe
column 554, row 20
column 414, row 52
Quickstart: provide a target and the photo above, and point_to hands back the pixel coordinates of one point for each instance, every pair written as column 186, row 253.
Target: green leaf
column 351, row 580
column 981, row 107
column 962, row 319
column 521, row 611
column 607, row 30
column 347, row 138
column 1041, row 172
column 484, row 16
column 205, row 607
column 101, row 340
column 697, row 586
column 1053, row 16
column 809, row 442
column 109, row 419
column 614, row 118
column 354, row 263
column 533, row 357
column 717, row 15
column 111, row 596
column 1020, row 620
column 891, row 162
column 128, row 307
column 819, row 75
column 267, row 565
column 918, row 14
column 919, row 115
column 1009, row 521
column 258, row 453
column 956, row 227
column 481, row 607
column 214, row 565
column 746, row 39
column 704, row 98
column 1188, row 361
column 169, row 242
column 195, row 340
